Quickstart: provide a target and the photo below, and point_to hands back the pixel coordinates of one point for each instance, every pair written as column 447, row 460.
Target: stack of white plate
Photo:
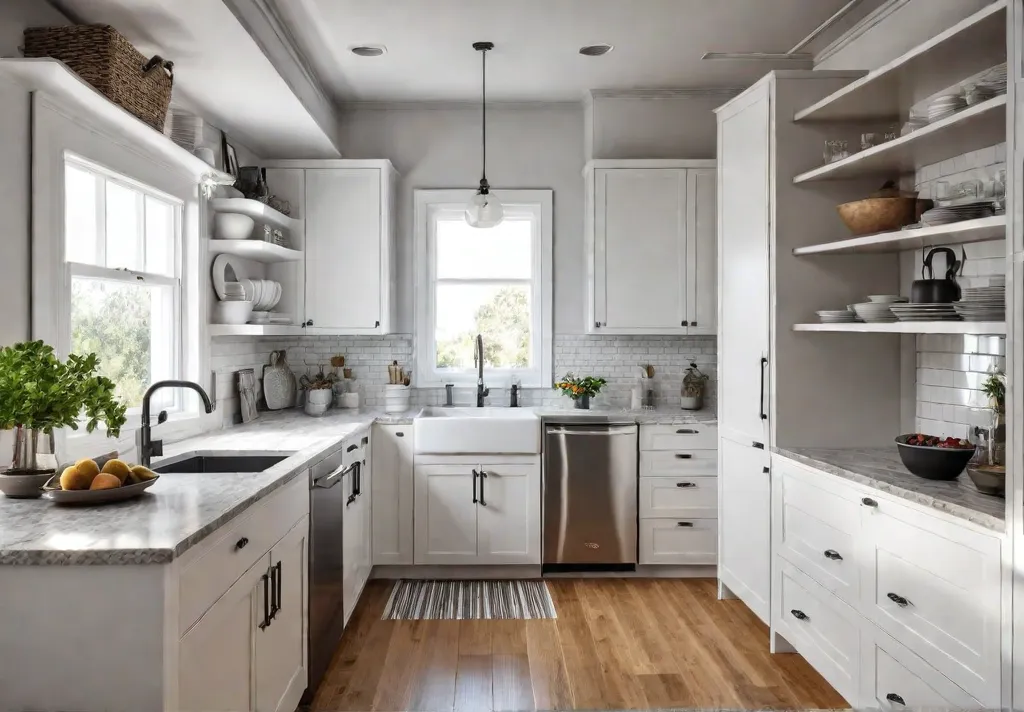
column 982, row 304
column 887, row 298
column 233, row 292
column 875, row 312
column 263, row 293
column 280, row 318
column 945, row 214
column 186, row 129
column 925, row 312
column 995, row 80
column 837, row 316
column 945, row 106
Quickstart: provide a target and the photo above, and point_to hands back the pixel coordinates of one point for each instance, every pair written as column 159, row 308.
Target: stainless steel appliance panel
column 590, row 494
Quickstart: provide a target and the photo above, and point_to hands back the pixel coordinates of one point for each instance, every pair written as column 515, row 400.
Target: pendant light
column 484, row 210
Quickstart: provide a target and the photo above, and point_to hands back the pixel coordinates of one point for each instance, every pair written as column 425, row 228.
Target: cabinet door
column 640, row 251
column 351, row 536
column 365, row 502
column 392, row 494
column 344, row 250
column 281, row 646
column 446, row 515
column 743, row 190
column 701, row 251
column 744, row 505
column 215, row 670
column 509, row 514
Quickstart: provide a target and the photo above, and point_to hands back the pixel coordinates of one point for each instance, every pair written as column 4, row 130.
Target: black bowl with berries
column 934, row 458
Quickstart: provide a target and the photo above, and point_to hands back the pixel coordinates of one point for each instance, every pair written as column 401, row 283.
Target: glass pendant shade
column 484, row 210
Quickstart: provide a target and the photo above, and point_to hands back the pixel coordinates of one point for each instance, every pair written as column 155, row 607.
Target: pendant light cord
column 483, row 111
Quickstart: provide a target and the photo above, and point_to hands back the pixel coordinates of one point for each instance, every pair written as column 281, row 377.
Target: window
column 123, row 259
column 494, row 282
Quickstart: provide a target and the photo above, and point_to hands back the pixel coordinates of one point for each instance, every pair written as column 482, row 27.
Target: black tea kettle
column 938, row 291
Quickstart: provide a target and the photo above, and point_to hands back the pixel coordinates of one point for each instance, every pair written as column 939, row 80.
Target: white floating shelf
column 967, row 231
column 968, row 47
column 976, row 127
column 54, row 79
column 911, row 327
column 260, row 212
column 256, row 250
column 255, row 330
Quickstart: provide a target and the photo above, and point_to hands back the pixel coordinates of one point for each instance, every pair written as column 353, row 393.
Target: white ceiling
column 218, row 70
column 658, row 44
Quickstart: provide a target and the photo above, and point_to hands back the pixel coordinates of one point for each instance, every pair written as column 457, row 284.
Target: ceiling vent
column 369, row 50
column 596, row 50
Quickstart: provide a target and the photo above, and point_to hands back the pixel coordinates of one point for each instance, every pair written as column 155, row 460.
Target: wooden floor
column 616, row 644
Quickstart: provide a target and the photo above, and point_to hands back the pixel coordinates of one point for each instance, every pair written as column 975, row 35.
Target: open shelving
column 911, row 327
column 256, row 250
column 971, row 46
column 968, row 130
column 255, row 330
column 964, row 232
column 260, row 212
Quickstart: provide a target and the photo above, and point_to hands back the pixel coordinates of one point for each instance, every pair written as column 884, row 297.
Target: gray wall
column 438, row 146
column 645, row 125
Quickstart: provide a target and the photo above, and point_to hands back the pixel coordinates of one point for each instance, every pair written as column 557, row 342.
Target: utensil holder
column 396, row 398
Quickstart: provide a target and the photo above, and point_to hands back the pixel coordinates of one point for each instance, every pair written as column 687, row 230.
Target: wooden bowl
column 871, row 215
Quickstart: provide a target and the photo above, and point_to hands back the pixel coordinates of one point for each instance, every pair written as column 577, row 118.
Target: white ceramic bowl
column 232, row 226
column 231, row 312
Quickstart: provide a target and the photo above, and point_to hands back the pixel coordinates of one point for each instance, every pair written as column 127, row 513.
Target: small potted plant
column 580, row 389
column 694, row 383
column 319, row 391
column 39, row 394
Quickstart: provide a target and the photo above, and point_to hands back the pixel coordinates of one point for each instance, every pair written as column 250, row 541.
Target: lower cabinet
column 392, row 498
column 487, row 513
column 679, row 542
column 356, row 535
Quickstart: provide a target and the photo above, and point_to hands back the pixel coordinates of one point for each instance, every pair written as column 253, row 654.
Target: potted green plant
column 39, row 393
column 694, row 383
column 580, row 389
column 995, row 388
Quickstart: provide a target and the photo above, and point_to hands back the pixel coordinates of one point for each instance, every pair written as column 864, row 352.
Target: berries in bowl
column 934, row 458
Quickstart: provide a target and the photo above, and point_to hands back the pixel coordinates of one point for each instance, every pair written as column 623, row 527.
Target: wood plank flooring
column 616, row 644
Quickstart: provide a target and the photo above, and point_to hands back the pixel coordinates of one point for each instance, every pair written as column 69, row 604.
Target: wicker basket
column 872, row 215
column 104, row 58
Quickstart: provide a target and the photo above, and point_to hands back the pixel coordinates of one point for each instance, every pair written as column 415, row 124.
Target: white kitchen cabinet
column 486, row 513
column 744, row 518
column 392, row 495
column 356, row 534
column 678, row 542
column 650, row 238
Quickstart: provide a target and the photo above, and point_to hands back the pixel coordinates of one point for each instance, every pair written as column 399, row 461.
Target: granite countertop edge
column 959, row 511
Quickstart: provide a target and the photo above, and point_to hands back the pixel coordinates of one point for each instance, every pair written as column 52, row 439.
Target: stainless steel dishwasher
column 590, row 494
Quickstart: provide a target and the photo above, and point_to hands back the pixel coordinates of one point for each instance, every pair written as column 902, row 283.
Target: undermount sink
column 221, row 463
column 470, row 431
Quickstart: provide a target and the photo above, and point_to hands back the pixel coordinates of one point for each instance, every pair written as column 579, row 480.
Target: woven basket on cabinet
column 104, row 58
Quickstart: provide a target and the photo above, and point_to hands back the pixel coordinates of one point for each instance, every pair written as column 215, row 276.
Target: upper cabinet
column 651, row 247
column 349, row 217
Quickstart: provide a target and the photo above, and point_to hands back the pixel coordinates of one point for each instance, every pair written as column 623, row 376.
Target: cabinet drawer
column 666, row 463
column 822, row 628
column 207, row 577
column 935, row 587
column 896, row 679
column 678, row 541
column 818, row 535
column 679, row 497
column 679, row 437
column 354, row 449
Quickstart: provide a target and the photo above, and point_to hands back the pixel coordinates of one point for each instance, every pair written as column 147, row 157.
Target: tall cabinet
column 651, row 247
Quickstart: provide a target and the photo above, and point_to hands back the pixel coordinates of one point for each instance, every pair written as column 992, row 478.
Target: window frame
column 535, row 204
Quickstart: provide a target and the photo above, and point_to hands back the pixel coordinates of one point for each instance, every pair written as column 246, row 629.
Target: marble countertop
column 881, row 469
column 181, row 510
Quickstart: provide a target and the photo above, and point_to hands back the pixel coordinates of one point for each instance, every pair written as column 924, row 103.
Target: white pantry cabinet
column 478, row 513
column 392, row 495
column 651, row 247
column 357, row 529
column 349, row 212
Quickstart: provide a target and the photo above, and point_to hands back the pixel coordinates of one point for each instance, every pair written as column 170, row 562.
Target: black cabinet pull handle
column 766, row 470
column 357, row 489
column 687, row 431
column 898, row 600
column 365, row 440
column 350, row 448
column 399, row 435
column 597, row 325
column 277, row 578
column 693, row 323
column 242, row 543
column 685, row 484
column 266, row 602
column 475, row 474
column 799, row 615
column 685, row 524
column 683, row 456
column 483, row 478
column 833, row 554
column 893, row 697
column 764, row 362
column 759, row 446
column 376, row 325
column 868, row 502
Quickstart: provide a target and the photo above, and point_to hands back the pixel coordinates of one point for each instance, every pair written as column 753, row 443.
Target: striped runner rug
column 469, row 600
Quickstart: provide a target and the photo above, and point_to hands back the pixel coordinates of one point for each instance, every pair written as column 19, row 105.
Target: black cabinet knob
column 898, row 600
column 868, row 502
column 376, row 325
column 400, row 435
column 893, row 697
column 242, row 543
column 833, row 554
column 799, row 615
column 685, row 484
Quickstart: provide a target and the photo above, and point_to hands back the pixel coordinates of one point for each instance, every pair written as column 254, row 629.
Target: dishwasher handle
column 620, row 430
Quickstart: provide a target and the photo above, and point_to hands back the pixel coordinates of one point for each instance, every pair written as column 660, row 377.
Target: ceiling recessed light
column 368, row 50
column 596, row 50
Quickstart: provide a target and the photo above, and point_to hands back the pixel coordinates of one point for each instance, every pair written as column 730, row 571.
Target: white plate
column 223, row 270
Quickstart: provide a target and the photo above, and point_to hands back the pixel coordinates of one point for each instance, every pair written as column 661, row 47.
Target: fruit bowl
column 931, row 461
column 85, row 482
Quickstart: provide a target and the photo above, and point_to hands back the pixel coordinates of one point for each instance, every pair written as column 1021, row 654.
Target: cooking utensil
column 933, row 463
column 929, row 290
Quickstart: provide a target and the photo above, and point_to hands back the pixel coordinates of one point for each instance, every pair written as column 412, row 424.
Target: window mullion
column 101, row 220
